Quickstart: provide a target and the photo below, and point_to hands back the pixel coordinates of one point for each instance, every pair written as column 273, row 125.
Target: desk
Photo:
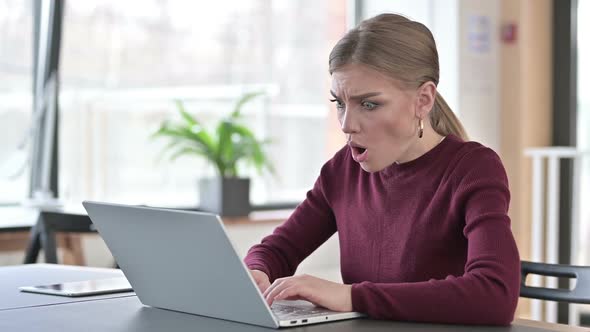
column 53, row 221
column 23, row 229
column 125, row 314
column 44, row 224
column 12, row 277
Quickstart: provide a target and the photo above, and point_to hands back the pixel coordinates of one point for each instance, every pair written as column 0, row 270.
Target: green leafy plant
column 230, row 142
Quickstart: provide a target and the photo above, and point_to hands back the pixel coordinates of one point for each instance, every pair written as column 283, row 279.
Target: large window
column 16, row 25
column 123, row 64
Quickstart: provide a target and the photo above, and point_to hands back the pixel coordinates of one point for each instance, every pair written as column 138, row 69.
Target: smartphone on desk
column 82, row 288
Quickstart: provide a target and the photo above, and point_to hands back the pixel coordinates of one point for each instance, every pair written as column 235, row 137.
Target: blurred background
column 516, row 72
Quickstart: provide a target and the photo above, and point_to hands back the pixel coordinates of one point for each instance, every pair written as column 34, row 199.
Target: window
column 124, row 62
column 16, row 26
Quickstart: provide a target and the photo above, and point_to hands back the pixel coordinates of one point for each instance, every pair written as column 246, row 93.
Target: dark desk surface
column 12, row 277
column 128, row 314
column 109, row 313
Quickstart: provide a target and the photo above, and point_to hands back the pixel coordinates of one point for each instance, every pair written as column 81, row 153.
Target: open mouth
column 359, row 153
column 359, row 150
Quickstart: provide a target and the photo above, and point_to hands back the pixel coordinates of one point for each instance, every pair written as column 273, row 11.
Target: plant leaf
column 185, row 115
column 185, row 151
column 242, row 101
column 230, row 143
column 250, row 149
column 178, row 134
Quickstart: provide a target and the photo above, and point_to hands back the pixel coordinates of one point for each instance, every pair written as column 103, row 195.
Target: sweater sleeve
column 488, row 290
column 310, row 225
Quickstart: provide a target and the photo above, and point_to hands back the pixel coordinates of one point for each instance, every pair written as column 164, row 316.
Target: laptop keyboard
column 285, row 310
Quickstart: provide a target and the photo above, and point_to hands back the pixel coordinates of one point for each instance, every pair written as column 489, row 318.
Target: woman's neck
column 429, row 140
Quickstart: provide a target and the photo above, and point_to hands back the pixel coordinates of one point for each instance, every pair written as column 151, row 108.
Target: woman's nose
column 347, row 123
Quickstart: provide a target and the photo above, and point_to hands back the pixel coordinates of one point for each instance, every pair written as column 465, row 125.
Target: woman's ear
column 425, row 97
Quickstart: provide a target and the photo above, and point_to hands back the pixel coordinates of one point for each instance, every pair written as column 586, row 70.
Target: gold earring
column 421, row 130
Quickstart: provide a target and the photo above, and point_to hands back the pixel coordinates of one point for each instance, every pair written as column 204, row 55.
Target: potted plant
column 230, row 143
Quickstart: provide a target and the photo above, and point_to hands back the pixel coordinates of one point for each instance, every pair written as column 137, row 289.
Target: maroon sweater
column 426, row 240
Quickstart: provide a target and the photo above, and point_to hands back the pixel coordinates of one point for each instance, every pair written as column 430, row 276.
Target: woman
column 421, row 214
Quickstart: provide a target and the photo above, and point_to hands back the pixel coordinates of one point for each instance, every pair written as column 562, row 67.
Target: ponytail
column 444, row 121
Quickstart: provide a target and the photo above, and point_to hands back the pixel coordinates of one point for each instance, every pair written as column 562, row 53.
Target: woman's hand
column 331, row 295
column 261, row 279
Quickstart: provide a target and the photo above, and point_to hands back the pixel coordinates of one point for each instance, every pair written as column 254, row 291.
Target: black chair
column 580, row 294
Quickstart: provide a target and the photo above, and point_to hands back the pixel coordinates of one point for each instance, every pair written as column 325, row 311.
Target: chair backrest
column 580, row 294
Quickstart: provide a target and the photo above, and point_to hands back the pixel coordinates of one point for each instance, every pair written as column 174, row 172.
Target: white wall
column 479, row 71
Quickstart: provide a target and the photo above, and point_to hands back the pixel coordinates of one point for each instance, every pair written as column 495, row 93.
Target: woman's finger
column 273, row 285
column 263, row 285
column 276, row 290
column 290, row 293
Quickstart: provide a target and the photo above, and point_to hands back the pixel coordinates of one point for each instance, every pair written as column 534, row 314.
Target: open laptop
column 184, row 261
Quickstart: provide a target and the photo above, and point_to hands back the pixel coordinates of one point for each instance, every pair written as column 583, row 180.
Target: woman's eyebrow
column 361, row 96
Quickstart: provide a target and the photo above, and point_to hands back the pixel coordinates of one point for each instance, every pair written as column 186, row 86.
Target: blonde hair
column 404, row 50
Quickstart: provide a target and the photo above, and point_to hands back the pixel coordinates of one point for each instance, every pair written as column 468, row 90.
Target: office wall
column 478, row 73
column 525, row 103
column 526, row 99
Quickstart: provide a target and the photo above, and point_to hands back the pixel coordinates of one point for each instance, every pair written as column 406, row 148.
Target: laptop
column 184, row 261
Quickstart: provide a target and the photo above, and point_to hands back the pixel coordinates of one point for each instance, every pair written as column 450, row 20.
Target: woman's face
column 379, row 117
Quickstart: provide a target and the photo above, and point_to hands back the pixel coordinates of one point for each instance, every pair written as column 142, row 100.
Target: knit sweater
column 426, row 240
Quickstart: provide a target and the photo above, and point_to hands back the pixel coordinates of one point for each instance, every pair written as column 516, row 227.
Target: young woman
column 421, row 213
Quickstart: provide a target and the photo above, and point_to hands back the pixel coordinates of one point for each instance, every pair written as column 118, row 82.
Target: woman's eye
column 339, row 104
column 369, row 105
